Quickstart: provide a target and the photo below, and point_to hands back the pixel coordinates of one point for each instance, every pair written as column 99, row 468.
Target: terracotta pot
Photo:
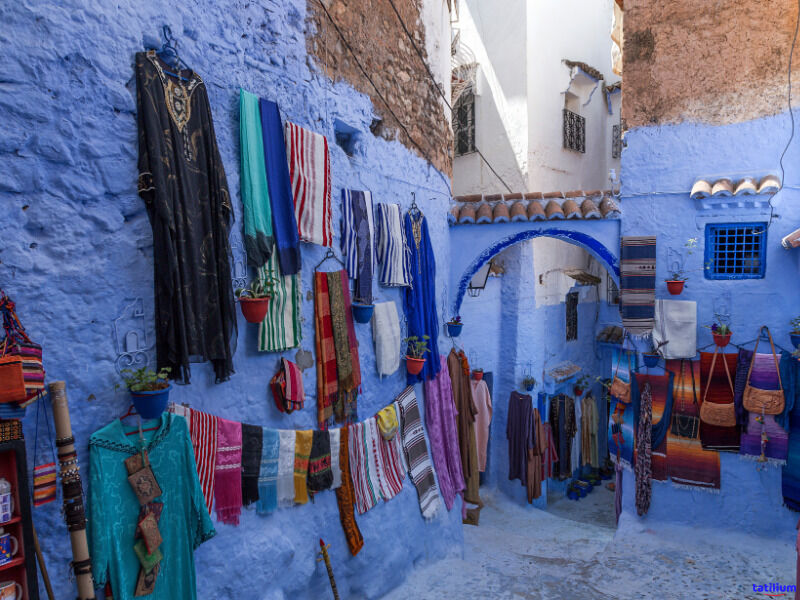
column 578, row 390
column 254, row 309
column 722, row 340
column 675, row 287
column 414, row 365
column 477, row 375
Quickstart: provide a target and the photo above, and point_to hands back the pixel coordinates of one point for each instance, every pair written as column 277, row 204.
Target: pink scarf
column 228, row 484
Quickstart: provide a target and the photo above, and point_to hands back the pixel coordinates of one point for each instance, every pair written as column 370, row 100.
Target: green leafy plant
column 455, row 321
column 145, row 380
column 258, row 288
column 417, row 347
column 528, row 381
column 719, row 328
column 795, row 323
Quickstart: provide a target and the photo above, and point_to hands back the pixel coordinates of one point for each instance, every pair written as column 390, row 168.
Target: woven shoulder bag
column 686, row 425
column 711, row 413
column 19, row 357
column 756, row 400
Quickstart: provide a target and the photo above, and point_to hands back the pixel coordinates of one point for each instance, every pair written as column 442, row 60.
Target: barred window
column 572, row 316
column 574, row 131
column 612, row 292
column 736, row 251
column 616, row 141
column 464, row 123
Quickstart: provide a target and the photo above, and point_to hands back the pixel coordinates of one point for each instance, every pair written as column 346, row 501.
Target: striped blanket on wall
column 390, row 247
column 416, row 453
column 280, row 329
column 638, row 284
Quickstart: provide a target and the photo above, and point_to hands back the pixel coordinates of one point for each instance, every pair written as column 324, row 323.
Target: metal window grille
column 572, row 316
column 464, row 123
column 574, row 131
column 616, row 141
column 612, row 291
column 736, row 251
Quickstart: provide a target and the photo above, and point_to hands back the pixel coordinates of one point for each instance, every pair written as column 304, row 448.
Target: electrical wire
column 440, row 90
column 380, row 95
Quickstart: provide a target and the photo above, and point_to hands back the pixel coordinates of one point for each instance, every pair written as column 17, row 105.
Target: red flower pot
column 414, row 365
column 477, row 375
column 722, row 340
column 254, row 309
column 578, row 390
column 675, row 287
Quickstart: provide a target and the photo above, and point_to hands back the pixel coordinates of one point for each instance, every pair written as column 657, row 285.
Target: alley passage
column 520, row 552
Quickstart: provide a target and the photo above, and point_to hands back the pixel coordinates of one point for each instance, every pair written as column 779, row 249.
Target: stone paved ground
column 520, row 552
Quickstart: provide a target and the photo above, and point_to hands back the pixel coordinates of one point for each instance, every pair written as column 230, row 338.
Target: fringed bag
column 21, row 371
column 756, row 400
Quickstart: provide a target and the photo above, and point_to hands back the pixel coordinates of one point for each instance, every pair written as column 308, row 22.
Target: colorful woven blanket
column 363, row 468
column 310, row 171
column 416, row 453
column 391, row 248
column 638, row 284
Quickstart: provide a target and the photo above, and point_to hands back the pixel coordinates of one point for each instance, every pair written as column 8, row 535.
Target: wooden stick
column 42, row 566
column 327, row 560
column 80, row 548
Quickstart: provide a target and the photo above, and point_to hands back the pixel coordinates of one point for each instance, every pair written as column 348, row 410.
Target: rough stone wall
column 714, row 62
column 384, row 50
column 77, row 248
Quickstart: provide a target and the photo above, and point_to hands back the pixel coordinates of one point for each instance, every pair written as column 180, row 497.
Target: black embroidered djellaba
column 182, row 182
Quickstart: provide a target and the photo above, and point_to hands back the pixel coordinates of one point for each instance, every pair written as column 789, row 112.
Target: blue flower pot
column 528, row 388
column 650, row 360
column 150, row 405
column 795, row 339
column 454, row 329
column 362, row 313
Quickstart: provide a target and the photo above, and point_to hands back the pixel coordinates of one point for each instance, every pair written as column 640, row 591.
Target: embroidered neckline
column 177, row 94
column 126, row 446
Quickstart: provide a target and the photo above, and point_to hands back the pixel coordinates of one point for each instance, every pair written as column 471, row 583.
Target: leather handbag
column 756, row 400
column 621, row 390
column 686, row 425
column 711, row 413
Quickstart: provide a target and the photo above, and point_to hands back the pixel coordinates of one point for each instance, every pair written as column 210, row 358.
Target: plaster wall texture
column 77, row 248
column 550, row 257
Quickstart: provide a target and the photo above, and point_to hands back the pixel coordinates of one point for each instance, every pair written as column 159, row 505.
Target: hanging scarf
column 327, row 381
column 251, row 462
column 637, row 289
column 268, row 473
column 363, row 469
column 284, row 223
column 310, row 172
column 302, row 452
column 286, row 468
column 387, row 337
column 661, row 392
column 320, row 476
column 258, row 240
column 764, row 439
column 345, row 495
column 341, row 343
column 287, row 387
column 280, row 330
column 440, row 421
column 790, row 484
column 336, row 469
column 419, row 300
column 228, row 478
column 358, row 240
column 416, row 454
column 740, row 382
column 390, row 247
column 391, row 471
column 644, row 482
column 203, row 431
column 790, row 377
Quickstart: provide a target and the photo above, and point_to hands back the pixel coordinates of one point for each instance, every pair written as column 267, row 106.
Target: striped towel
column 416, row 453
column 638, row 284
column 363, row 469
column 268, row 474
column 358, row 241
column 228, row 478
column 203, row 431
column 310, row 172
column 387, row 337
column 387, row 459
column 390, row 247
column 280, row 329
column 44, row 484
column 286, row 468
column 335, row 467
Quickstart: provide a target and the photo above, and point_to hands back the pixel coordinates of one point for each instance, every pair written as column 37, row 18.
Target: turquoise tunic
column 114, row 508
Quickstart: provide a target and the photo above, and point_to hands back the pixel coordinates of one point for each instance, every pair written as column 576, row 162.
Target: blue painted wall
column 659, row 166
column 76, row 248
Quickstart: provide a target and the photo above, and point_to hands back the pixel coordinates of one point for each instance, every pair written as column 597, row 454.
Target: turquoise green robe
column 114, row 508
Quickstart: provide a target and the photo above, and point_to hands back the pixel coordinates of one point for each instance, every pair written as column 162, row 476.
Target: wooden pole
column 42, row 565
column 80, row 549
column 326, row 558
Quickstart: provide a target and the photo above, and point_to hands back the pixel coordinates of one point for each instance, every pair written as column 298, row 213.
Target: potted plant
column 254, row 299
column 581, row 384
column 528, row 382
column 721, row 333
column 795, row 332
column 362, row 311
column 149, row 390
column 415, row 353
column 651, row 356
column 454, row 326
column 678, row 278
column 477, row 374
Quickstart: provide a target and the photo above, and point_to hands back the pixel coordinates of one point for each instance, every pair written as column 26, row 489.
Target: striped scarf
column 251, row 462
column 391, row 468
column 228, row 478
column 638, row 284
column 358, row 241
column 280, row 329
column 391, row 249
column 416, row 453
column 203, row 429
column 268, row 473
column 310, row 172
column 258, row 240
column 302, row 452
column 320, row 476
column 363, row 469
column 286, row 468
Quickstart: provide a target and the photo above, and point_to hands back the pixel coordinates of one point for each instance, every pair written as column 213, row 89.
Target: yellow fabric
column 387, row 421
column 302, row 451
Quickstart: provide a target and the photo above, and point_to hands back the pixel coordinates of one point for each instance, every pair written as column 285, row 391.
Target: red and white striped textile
column 363, row 469
column 310, row 172
column 203, row 430
column 391, row 471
